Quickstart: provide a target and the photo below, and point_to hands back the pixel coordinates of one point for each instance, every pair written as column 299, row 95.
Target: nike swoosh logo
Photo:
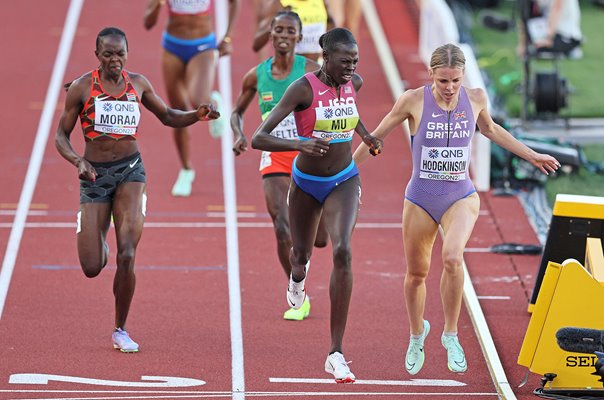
column 437, row 115
column 322, row 92
column 203, row 47
column 134, row 163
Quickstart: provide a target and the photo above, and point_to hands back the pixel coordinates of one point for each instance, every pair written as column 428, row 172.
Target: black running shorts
column 109, row 176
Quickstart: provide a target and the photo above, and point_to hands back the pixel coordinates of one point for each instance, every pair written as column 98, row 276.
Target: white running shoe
column 456, row 358
column 295, row 293
column 338, row 367
column 122, row 342
column 414, row 360
column 184, row 182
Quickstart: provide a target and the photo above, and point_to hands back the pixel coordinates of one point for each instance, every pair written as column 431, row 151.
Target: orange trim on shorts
column 281, row 163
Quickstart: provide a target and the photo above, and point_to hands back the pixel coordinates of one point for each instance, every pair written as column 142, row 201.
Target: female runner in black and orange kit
column 111, row 171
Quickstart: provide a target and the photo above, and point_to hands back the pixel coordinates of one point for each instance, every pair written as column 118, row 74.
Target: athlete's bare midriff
column 190, row 26
column 338, row 157
column 106, row 149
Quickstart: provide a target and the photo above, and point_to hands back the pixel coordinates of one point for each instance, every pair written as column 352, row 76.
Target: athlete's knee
column 300, row 256
column 282, row 230
column 92, row 269
column 452, row 262
column 415, row 277
column 321, row 239
column 342, row 255
column 125, row 258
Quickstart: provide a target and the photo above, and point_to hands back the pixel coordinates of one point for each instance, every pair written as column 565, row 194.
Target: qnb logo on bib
column 286, row 128
column 336, row 120
column 444, row 163
column 116, row 117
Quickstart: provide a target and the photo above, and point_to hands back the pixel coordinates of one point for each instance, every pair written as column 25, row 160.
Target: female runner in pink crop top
column 326, row 165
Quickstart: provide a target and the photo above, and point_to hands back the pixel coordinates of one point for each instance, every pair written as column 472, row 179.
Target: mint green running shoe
column 184, row 183
column 414, row 360
column 456, row 358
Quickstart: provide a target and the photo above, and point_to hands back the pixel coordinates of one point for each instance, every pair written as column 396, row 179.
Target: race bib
column 116, row 117
column 286, row 128
column 444, row 163
column 310, row 38
column 337, row 120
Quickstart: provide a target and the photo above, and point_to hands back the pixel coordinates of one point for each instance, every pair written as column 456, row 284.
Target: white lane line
column 203, row 395
column 230, row 209
column 148, row 381
column 485, row 339
column 477, row 250
column 411, row 382
column 482, row 329
column 30, row 212
column 380, row 41
column 493, row 297
column 128, row 391
column 72, row 225
column 35, row 161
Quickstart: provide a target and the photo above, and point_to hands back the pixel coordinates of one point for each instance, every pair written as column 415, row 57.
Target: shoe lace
column 341, row 363
column 454, row 349
column 415, row 346
column 122, row 334
column 296, row 287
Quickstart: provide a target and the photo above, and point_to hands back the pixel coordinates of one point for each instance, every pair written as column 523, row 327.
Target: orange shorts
column 277, row 162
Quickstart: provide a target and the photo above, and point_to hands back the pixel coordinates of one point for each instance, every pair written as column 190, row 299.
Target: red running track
column 57, row 322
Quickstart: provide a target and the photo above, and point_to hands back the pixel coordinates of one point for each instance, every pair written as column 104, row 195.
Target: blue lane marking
column 138, row 268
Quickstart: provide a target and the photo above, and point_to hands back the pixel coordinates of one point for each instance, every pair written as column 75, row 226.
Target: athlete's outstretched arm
column 505, row 139
column 399, row 113
column 248, row 91
column 170, row 116
column 373, row 143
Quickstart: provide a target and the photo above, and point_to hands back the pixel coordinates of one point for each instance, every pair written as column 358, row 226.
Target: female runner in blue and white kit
column 188, row 59
column 442, row 118
column 112, row 174
column 325, row 180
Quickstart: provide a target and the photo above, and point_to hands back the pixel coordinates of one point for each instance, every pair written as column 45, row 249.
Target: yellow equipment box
column 570, row 296
column 574, row 219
